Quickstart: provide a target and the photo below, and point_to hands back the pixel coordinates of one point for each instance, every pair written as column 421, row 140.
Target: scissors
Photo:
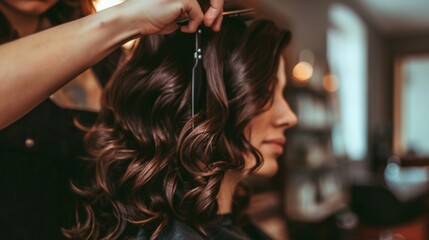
column 197, row 71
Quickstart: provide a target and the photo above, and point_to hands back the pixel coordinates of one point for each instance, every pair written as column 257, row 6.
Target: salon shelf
column 319, row 131
column 312, row 171
column 414, row 161
column 296, row 90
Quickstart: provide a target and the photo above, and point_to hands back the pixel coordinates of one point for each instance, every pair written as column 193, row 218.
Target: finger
column 217, row 23
column 195, row 14
column 169, row 29
column 216, row 7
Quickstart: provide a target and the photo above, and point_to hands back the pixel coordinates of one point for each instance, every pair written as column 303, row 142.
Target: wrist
column 116, row 25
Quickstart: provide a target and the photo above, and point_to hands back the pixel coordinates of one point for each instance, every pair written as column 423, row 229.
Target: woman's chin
column 268, row 169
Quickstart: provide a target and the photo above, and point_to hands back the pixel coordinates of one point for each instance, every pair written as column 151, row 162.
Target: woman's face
column 266, row 131
column 28, row 7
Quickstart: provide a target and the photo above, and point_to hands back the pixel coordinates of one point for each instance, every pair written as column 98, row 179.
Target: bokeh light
column 302, row 72
column 330, row 83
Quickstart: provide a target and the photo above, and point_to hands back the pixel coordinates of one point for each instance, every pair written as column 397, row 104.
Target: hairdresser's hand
column 213, row 17
column 160, row 16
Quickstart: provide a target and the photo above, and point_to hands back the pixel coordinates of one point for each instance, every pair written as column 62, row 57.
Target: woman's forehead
column 281, row 73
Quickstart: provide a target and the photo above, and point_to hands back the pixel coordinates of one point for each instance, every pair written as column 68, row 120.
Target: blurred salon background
column 356, row 166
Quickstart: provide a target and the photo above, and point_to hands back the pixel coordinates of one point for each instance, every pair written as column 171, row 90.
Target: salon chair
column 387, row 204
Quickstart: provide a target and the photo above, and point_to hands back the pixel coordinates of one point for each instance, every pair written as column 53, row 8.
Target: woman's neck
column 226, row 192
column 24, row 24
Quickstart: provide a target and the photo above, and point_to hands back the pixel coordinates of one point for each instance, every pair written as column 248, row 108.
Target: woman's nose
column 285, row 117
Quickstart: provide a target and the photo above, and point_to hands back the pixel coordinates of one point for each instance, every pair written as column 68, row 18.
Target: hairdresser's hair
column 63, row 11
column 150, row 161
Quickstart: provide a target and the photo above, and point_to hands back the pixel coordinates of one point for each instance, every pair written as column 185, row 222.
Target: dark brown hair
column 63, row 11
column 150, row 162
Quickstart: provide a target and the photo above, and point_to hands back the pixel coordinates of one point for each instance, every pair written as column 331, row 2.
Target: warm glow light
column 103, row 4
column 330, row 83
column 302, row 72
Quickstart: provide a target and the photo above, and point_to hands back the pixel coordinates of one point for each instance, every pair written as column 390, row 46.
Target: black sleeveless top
column 224, row 230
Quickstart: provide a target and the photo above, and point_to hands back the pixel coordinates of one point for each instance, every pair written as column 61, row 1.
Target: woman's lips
column 276, row 144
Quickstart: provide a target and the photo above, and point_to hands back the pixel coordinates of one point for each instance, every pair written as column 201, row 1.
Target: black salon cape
column 38, row 154
column 224, row 230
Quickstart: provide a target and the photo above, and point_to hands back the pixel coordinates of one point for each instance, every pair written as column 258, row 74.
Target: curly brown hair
column 63, row 11
column 149, row 160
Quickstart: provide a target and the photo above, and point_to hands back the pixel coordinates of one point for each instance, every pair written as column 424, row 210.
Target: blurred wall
column 309, row 21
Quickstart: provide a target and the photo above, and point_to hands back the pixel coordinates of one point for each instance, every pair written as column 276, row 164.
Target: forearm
column 34, row 67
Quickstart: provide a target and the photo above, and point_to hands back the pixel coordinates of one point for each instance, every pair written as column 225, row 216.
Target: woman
column 156, row 170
